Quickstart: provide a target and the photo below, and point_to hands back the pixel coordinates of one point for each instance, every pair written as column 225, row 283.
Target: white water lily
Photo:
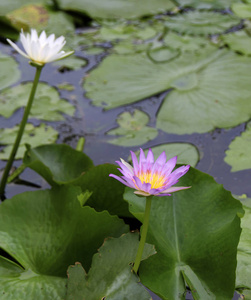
column 41, row 49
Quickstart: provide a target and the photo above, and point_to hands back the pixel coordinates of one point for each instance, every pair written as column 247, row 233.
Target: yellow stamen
column 156, row 180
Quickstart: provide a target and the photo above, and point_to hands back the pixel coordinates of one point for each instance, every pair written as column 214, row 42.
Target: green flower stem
column 20, row 132
column 143, row 234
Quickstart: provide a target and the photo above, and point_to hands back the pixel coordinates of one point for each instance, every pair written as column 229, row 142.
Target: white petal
column 17, row 48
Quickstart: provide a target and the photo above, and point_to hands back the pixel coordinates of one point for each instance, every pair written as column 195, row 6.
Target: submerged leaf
column 110, row 276
column 9, row 72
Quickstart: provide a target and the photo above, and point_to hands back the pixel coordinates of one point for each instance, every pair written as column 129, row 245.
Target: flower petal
column 17, row 48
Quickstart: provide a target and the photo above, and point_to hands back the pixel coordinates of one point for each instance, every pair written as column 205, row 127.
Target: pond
column 176, row 80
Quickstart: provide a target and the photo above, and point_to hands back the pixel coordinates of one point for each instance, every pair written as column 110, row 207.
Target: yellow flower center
column 156, row 180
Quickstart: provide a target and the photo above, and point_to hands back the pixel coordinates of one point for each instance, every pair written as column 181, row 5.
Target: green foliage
column 110, row 275
column 207, row 4
column 108, row 9
column 9, row 72
column 133, row 129
column 238, row 41
column 196, row 233
column 238, row 154
column 70, row 63
column 46, row 231
column 52, row 161
column 47, row 103
column 34, row 136
column 242, row 10
column 201, row 22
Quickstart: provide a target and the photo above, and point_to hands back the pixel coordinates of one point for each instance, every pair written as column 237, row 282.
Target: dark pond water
column 93, row 123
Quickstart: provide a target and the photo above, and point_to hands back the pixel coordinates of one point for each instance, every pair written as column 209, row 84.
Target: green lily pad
column 110, row 275
column 220, row 99
column 238, row 155
column 7, row 6
column 110, row 9
column 162, row 54
column 47, row 103
column 66, row 86
column 107, row 193
column 201, row 22
column 242, row 10
column 94, row 50
column 9, row 71
column 212, row 88
column 133, row 129
column 51, row 161
column 184, row 42
column 207, row 4
column 243, row 271
column 70, row 63
column 196, row 234
column 34, row 136
column 46, row 231
column 19, row 284
column 186, row 153
column 238, row 41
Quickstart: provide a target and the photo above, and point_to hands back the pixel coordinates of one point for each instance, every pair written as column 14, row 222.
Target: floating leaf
column 207, row 4
column 52, row 161
column 238, row 41
column 133, row 129
column 94, row 50
column 186, row 153
column 108, row 9
column 47, row 103
column 196, row 251
column 242, row 10
column 162, row 54
column 110, row 275
column 201, row 22
column 184, row 42
column 9, row 72
column 46, row 231
column 238, row 155
column 70, row 63
column 66, row 86
column 34, row 136
column 215, row 96
column 7, row 6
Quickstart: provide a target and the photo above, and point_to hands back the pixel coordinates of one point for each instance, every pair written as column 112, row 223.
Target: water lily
column 149, row 177
column 41, row 49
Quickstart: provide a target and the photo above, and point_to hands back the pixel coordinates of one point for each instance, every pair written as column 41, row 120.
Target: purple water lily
column 149, row 177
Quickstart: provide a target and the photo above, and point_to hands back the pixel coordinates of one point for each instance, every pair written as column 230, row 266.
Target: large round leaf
column 9, row 72
column 46, row 231
column 110, row 275
column 47, row 103
column 215, row 96
column 196, row 233
column 207, row 4
column 111, row 9
column 57, row 164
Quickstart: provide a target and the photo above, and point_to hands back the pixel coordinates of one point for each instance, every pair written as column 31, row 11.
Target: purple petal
column 141, row 193
column 142, row 158
column 180, row 172
column 175, row 189
column 150, row 157
column 135, row 162
column 121, row 180
column 169, row 166
column 125, row 168
column 146, row 187
column 138, row 183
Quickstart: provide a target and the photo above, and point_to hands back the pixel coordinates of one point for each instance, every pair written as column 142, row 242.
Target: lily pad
column 162, row 54
column 52, row 161
column 34, row 136
column 238, row 41
column 242, row 10
column 196, row 251
column 110, row 9
column 207, row 4
column 133, row 129
column 110, row 275
column 238, row 155
column 70, row 63
column 7, row 6
column 201, row 22
column 47, row 103
column 9, row 71
column 243, row 272
column 46, row 231
column 186, row 153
